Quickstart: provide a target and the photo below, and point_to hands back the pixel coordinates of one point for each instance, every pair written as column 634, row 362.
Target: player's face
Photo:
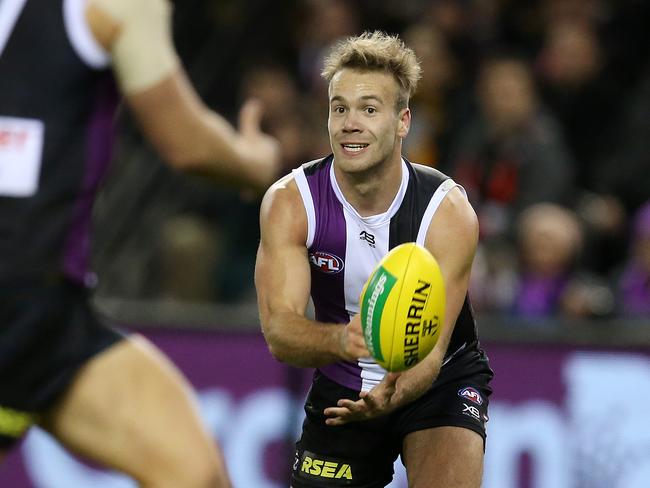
column 364, row 125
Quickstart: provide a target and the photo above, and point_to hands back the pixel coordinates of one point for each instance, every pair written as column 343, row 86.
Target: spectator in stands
column 634, row 282
column 437, row 106
column 511, row 153
column 551, row 282
column 571, row 69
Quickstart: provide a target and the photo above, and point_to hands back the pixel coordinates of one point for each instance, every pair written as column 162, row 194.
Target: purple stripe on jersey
column 328, row 248
column 328, row 272
column 99, row 136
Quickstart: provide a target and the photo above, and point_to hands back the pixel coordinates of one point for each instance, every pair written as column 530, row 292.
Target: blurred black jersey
column 57, row 102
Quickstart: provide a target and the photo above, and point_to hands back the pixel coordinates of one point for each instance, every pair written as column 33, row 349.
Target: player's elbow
column 274, row 341
column 277, row 349
column 278, row 352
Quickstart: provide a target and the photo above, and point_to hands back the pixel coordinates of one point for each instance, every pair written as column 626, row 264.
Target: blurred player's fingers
column 250, row 117
column 335, row 421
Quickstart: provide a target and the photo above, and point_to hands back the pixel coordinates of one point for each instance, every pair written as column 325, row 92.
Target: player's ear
column 404, row 123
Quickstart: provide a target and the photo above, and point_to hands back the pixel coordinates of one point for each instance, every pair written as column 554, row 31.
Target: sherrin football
column 403, row 307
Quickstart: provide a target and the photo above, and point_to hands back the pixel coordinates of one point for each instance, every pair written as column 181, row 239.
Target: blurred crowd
column 539, row 109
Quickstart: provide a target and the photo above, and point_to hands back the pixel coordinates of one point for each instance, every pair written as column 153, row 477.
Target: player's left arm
column 452, row 238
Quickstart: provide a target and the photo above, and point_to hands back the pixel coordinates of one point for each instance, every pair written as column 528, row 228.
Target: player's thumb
column 250, row 117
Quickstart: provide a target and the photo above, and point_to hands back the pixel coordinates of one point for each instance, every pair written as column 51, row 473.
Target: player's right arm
column 186, row 133
column 282, row 279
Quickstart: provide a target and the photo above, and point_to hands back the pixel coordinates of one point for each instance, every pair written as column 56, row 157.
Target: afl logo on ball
column 326, row 262
column 471, row 394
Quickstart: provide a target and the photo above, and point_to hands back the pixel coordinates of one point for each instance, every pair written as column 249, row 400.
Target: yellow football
column 403, row 307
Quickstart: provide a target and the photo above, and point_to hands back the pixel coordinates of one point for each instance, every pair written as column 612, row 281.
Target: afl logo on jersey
column 471, row 394
column 326, row 262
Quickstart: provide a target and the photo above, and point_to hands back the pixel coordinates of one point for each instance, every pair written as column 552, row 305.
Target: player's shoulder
column 427, row 172
column 456, row 213
column 315, row 165
column 282, row 215
column 281, row 195
column 285, row 193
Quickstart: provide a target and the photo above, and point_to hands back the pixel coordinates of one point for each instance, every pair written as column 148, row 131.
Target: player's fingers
column 350, row 405
column 335, row 421
column 250, row 117
column 334, row 411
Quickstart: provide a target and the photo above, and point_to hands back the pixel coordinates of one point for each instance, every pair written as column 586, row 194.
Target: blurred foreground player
column 324, row 228
column 113, row 399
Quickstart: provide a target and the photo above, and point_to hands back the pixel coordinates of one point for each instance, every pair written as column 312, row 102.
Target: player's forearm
column 412, row 384
column 298, row 341
column 191, row 137
column 213, row 148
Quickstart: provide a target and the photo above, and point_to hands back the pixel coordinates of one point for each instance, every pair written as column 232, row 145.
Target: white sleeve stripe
column 81, row 38
column 437, row 198
column 308, row 202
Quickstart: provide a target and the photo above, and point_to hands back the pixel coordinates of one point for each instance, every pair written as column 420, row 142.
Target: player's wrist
column 259, row 171
column 340, row 342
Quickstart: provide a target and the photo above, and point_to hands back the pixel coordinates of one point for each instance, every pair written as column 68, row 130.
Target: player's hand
column 393, row 392
column 352, row 344
column 259, row 149
column 371, row 404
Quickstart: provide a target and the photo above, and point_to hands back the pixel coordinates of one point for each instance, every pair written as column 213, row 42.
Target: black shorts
column 362, row 454
column 47, row 332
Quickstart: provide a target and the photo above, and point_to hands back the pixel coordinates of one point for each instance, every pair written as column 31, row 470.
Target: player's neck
column 371, row 192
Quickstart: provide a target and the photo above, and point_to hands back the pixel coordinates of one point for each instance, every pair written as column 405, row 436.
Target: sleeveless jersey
column 344, row 248
column 57, row 102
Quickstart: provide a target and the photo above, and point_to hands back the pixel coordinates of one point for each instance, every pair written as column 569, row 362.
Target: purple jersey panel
column 327, row 260
column 100, row 135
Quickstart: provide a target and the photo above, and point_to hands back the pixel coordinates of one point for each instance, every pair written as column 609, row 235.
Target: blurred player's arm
column 454, row 249
column 282, row 279
column 186, row 133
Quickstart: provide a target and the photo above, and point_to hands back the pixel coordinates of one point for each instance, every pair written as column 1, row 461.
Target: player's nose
column 351, row 122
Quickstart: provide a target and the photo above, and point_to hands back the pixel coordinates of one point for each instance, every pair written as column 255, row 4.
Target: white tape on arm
column 143, row 52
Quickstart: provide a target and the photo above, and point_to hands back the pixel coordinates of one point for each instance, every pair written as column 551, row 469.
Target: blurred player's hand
column 352, row 344
column 260, row 149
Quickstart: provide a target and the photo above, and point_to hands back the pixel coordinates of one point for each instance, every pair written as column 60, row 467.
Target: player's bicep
column 452, row 238
column 282, row 275
column 282, row 280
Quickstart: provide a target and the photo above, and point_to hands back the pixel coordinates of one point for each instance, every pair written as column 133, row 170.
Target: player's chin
column 353, row 164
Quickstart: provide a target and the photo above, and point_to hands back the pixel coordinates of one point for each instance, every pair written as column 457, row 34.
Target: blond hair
column 377, row 51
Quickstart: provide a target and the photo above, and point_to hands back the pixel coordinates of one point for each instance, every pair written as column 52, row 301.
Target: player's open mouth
column 353, row 147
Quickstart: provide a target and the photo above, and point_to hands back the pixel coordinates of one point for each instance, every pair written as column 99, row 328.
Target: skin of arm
column 187, row 134
column 454, row 249
column 283, row 280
